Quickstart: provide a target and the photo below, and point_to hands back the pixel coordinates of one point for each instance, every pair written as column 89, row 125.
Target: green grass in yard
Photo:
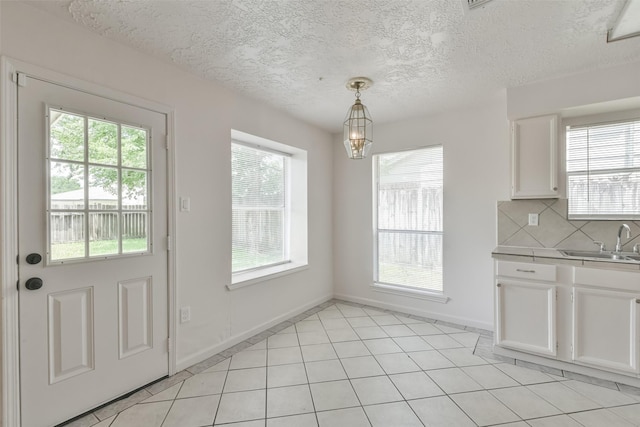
column 98, row 247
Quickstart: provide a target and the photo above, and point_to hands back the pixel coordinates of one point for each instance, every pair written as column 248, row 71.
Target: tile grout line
column 226, row 375
column 284, row 325
column 306, row 373
column 345, row 371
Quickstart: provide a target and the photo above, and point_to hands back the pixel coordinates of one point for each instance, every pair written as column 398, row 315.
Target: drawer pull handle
column 525, row 271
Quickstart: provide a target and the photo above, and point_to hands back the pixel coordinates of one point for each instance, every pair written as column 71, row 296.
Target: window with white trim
column 408, row 219
column 269, row 209
column 603, row 170
column 260, row 211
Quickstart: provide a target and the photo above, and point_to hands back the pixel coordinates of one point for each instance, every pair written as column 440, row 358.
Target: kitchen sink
column 601, row 255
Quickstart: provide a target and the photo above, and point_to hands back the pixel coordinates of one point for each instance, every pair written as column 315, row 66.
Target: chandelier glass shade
column 358, row 126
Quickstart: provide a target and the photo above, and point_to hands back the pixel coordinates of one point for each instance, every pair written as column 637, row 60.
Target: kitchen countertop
column 554, row 256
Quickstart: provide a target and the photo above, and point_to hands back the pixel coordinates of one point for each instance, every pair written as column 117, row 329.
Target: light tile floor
column 345, row 365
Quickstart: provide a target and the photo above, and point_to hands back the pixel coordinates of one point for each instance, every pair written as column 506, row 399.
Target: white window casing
column 269, row 209
column 603, row 170
column 408, row 221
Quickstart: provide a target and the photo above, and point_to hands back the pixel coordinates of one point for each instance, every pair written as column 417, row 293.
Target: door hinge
column 571, row 297
column 18, row 285
column 169, row 345
column 572, row 355
column 556, row 295
column 166, row 143
column 169, row 243
column 18, row 259
column 557, row 345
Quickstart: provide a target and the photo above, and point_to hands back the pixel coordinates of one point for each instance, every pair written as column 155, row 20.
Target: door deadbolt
column 33, row 284
column 34, row 258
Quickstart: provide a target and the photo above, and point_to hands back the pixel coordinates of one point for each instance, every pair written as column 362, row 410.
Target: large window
column 260, row 207
column 603, row 170
column 408, row 220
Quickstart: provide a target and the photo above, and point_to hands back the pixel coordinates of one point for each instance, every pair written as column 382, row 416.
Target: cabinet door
column 526, row 316
column 534, row 165
column 605, row 328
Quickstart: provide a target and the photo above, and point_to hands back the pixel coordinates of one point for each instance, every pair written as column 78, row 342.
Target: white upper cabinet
column 534, row 158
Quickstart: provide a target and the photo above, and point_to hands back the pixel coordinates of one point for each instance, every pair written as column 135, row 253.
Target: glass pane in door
column 134, row 232
column 134, row 147
column 66, row 231
column 66, row 185
column 103, row 233
column 103, row 142
column 66, row 136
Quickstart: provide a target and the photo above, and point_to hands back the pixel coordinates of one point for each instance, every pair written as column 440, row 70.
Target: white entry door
column 93, row 253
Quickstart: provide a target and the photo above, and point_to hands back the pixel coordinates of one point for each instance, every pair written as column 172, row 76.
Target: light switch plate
column 533, row 219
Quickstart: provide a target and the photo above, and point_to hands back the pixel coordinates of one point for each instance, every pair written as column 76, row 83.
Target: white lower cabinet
column 605, row 329
column 584, row 316
column 526, row 307
column 526, row 316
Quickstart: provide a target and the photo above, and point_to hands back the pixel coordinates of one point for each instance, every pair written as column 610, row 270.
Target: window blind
column 409, row 218
column 603, row 170
column 259, row 211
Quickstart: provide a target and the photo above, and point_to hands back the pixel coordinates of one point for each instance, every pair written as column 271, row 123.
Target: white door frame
column 9, row 325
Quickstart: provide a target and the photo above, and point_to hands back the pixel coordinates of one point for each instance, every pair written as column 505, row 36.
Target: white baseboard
column 236, row 339
column 463, row 321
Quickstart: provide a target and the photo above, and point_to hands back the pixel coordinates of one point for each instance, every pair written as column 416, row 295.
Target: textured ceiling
column 424, row 56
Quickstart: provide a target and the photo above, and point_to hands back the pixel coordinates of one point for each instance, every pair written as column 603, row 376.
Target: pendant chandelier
column 358, row 126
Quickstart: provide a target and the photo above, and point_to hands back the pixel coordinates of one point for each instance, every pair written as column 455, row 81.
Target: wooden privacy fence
column 259, row 230
column 68, row 227
column 410, row 223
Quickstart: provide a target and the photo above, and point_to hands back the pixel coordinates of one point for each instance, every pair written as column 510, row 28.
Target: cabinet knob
column 555, row 188
column 637, row 300
column 498, row 285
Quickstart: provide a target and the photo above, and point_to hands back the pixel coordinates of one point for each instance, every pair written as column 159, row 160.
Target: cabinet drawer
column 620, row 280
column 525, row 270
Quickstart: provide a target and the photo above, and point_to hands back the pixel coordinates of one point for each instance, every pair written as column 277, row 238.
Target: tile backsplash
column 554, row 230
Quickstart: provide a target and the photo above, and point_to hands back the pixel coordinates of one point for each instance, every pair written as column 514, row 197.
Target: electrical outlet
column 185, row 204
column 185, row 314
column 533, row 219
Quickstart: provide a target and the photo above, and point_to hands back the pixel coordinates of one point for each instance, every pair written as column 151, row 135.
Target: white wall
column 205, row 114
column 476, row 150
column 556, row 95
column 476, row 174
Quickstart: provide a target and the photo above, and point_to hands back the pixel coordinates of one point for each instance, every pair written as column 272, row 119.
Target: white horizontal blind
column 603, row 170
column 259, row 207
column 409, row 218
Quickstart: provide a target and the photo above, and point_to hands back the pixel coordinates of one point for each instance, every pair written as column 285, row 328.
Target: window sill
column 410, row 292
column 254, row 277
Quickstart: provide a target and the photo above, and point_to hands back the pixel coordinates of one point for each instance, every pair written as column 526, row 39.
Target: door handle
column 34, row 258
column 33, row 284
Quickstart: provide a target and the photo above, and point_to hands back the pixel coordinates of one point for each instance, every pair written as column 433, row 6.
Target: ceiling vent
column 473, row 4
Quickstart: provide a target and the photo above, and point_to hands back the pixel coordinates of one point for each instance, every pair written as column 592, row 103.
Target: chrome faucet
column 618, row 244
